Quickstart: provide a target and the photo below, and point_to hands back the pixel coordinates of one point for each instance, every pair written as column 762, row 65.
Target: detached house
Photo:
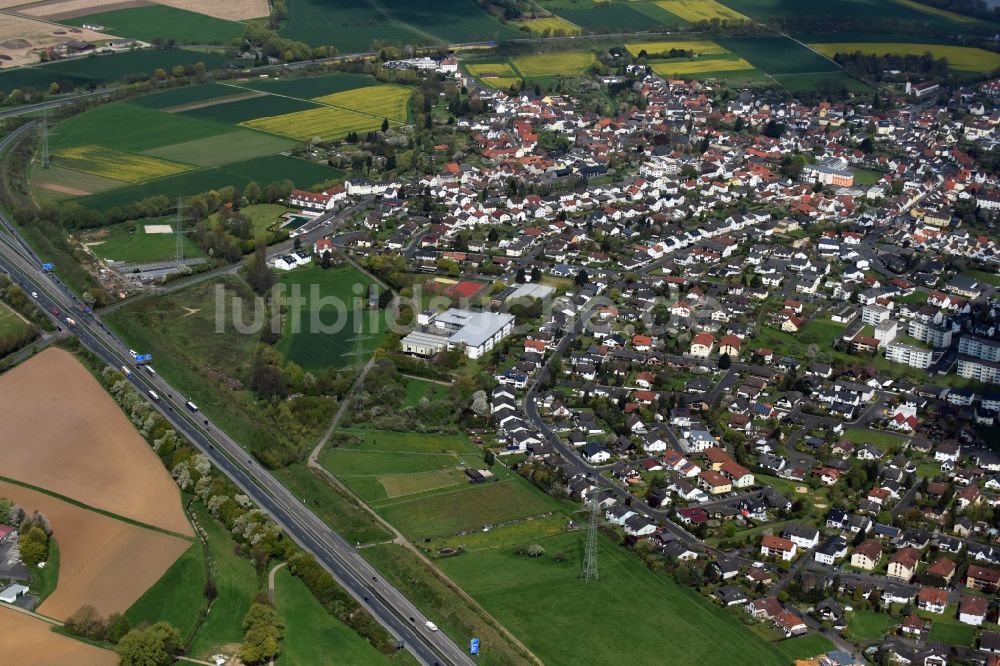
column 903, row 564
column 702, row 345
column 774, row 546
column 867, row 555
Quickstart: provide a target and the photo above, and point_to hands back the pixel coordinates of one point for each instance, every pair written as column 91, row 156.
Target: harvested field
column 64, row 433
column 21, row 38
column 61, row 189
column 57, row 10
column 104, row 562
column 231, row 10
column 24, row 634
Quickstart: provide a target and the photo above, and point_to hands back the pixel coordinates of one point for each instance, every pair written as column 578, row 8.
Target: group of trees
column 271, row 44
column 34, row 532
column 263, row 634
column 146, row 645
column 88, row 623
column 873, row 67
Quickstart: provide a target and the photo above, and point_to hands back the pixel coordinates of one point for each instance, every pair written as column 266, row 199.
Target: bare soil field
column 56, row 10
column 232, row 10
column 104, row 562
column 63, row 432
column 21, row 38
column 54, row 187
column 25, row 635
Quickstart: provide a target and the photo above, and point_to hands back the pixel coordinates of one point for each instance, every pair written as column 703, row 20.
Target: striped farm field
column 700, row 10
column 383, row 101
column 699, row 46
column 326, row 123
column 111, row 163
column 689, row 67
column 943, row 13
column 552, row 24
column 568, row 63
column 964, row 58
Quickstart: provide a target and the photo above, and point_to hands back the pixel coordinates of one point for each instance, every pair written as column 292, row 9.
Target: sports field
column 565, row 63
column 117, row 243
column 115, row 164
column 691, row 67
column 64, row 433
column 963, row 58
column 701, row 47
column 700, row 10
column 334, row 327
column 643, row 604
column 551, row 25
column 165, row 23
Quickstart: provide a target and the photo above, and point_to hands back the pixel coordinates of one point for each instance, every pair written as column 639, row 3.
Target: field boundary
column 315, row 101
column 87, row 507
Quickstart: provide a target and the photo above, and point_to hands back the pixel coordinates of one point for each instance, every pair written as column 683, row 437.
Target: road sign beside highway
column 48, row 268
column 474, row 646
column 143, row 358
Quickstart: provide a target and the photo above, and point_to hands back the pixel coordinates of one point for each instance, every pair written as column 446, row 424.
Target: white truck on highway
column 430, row 625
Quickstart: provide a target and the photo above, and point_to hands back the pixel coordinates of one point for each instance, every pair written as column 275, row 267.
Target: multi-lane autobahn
column 394, row 611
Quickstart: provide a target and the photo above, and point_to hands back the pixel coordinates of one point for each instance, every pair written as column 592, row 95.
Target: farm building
column 12, row 593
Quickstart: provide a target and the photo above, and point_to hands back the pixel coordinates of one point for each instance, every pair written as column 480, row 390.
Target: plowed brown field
column 25, row 640
column 104, row 562
column 61, row 431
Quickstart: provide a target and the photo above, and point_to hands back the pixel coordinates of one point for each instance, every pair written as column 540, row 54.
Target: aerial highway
column 394, row 611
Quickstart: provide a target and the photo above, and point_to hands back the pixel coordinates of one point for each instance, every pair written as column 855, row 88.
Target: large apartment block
column 915, row 357
column 981, row 348
column 987, row 372
column 929, row 333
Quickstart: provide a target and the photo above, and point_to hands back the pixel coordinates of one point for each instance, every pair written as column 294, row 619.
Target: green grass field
column 312, row 635
column 236, row 582
column 236, row 111
column 632, row 603
column 263, row 170
column 951, row 633
column 262, row 217
column 564, row 63
column 308, row 87
column 118, row 244
column 881, row 440
column 57, row 183
column 211, row 367
column 353, row 25
column 805, row 647
column 777, row 55
column 44, row 581
column 135, row 128
column 417, row 389
column 329, row 329
column 823, row 82
column 178, row 596
column 165, row 23
column 185, row 95
column 610, row 16
column 866, row 625
column 860, row 9
column 452, row 21
column 105, row 68
column 235, row 146
column 334, row 507
column 11, row 323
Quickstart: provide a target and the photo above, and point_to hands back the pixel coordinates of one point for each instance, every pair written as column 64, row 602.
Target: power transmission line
column 589, row 572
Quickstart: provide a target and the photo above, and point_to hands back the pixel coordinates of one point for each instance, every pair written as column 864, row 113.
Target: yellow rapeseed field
column 699, row 46
column 567, row 63
column 383, row 101
column 553, row 24
column 325, row 123
column 965, row 58
column 116, row 164
column 689, row 67
column 700, row 10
